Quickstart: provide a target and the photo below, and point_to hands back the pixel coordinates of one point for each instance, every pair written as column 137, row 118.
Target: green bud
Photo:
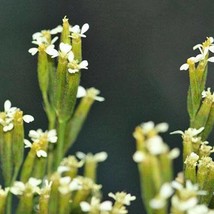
column 65, row 36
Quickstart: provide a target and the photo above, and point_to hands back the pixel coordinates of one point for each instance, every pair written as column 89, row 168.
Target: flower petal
column 28, row 118
column 81, row 92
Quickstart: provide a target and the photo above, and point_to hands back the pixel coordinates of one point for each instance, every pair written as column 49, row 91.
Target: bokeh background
column 134, row 49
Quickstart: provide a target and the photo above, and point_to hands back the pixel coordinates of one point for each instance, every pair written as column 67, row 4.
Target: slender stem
column 9, row 203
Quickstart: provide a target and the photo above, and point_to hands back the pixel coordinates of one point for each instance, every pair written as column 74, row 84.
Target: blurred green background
column 134, row 49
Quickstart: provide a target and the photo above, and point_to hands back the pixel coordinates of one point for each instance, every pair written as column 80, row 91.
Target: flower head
column 7, row 117
column 77, row 32
column 74, row 66
column 122, row 197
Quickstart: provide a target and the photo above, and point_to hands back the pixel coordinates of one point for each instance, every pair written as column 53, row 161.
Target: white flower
column 99, row 157
column 74, row 66
column 122, row 197
column 50, row 136
column 156, row 146
column 91, row 92
column 77, row 32
column 67, row 185
column 49, row 48
column 95, row 205
column 207, row 94
column 7, row 120
column 150, row 126
column 19, row 187
column 138, row 156
column 189, row 134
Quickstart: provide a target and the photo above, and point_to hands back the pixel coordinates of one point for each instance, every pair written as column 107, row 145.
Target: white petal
column 73, row 71
column 75, row 29
column 85, row 28
column 138, row 156
column 36, row 35
column 184, row 67
column 41, row 153
column 50, row 50
column 83, row 64
column 28, row 118
column 27, row 143
column 54, row 39
column 174, row 153
column 33, row 51
column 157, row 203
column 65, row 48
column 211, row 59
column 80, row 155
column 85, row 206
column 211, row 48
column 7, row 105
column 56, row 30
column 99, row 99
column 106, row 206
column 162, row 127
column 8, row 127
column 101, row 156
column 177, row 132
column 198, row 46
column 70, row 56
column 34, row 182
column 81, row 92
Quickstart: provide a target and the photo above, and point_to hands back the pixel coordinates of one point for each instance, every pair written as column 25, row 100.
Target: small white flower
column 122, row 197
column 49, row 48
column 189, row 134
column 99, row 157
column 77, row 32
column 150, row 126
column 7, row 120
column 91, row 92
column 19, row 187
column 138, row 156
column 156, row 146
column 74, row 66
column 49, row 135
column 95, row 205
column 28, row 118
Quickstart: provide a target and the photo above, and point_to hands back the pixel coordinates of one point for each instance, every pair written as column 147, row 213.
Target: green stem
column 60, row 142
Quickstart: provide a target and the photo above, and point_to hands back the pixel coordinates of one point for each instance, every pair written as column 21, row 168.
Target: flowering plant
column 45, row 181
column 192, row 191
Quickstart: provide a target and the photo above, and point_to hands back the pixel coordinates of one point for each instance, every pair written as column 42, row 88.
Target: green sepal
column 75, row 124
column 18, row 142
column 28, row 165
column 209, row 124
column 202, row 115
column 43, row 70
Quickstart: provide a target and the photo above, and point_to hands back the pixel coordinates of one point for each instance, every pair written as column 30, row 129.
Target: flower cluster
column 204, row 49
column 7, row 116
